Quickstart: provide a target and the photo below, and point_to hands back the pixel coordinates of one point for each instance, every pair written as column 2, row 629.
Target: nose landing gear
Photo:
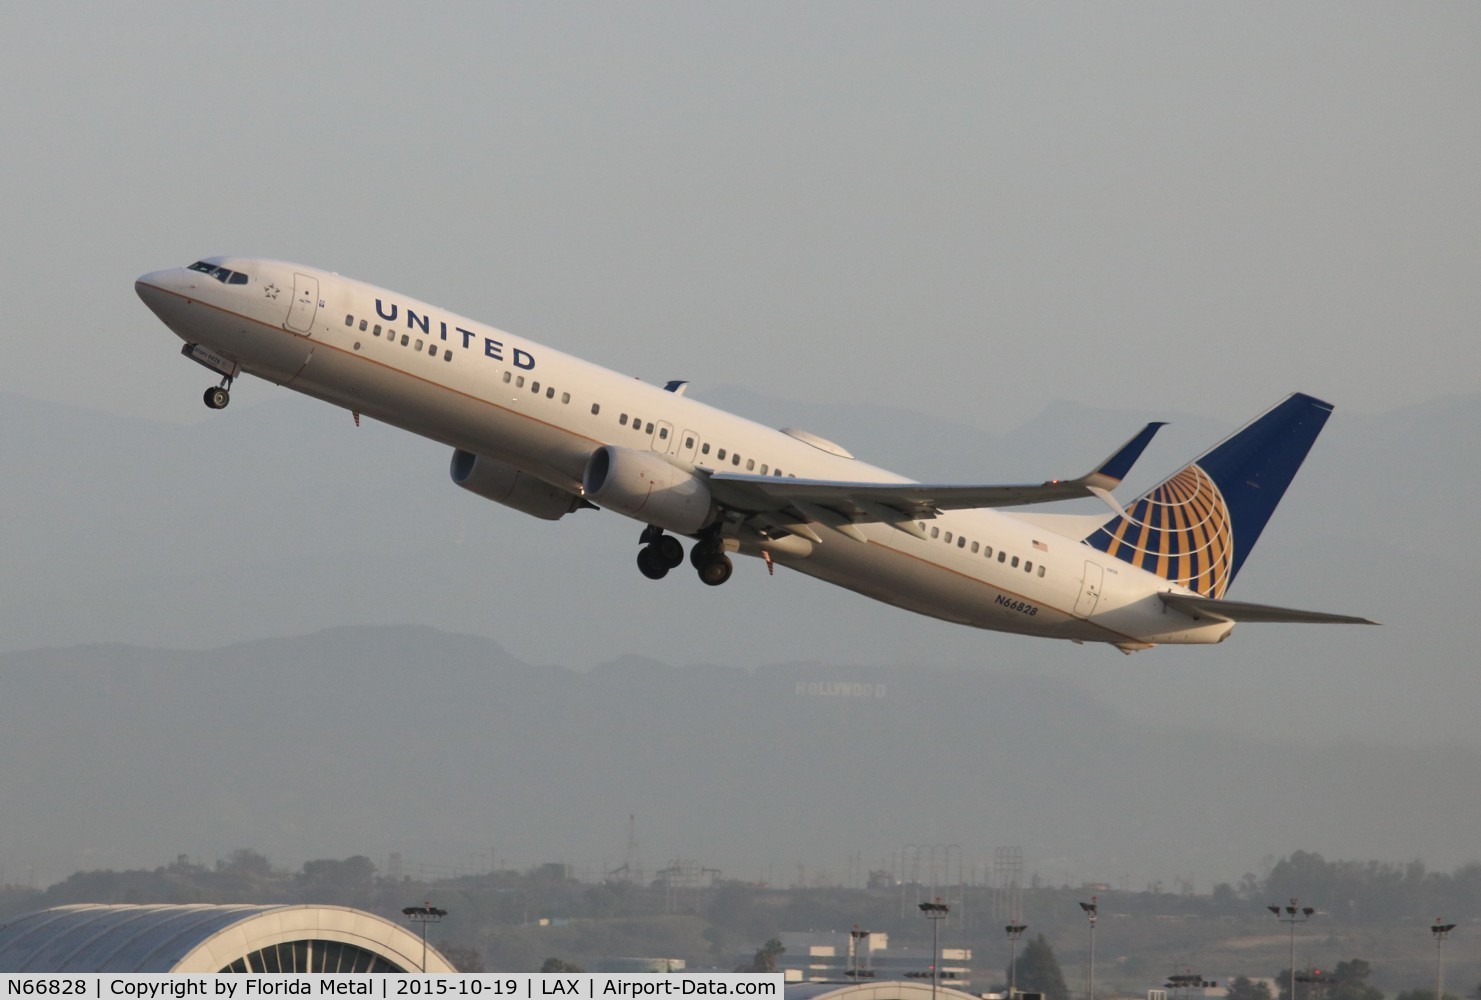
column 217, row 396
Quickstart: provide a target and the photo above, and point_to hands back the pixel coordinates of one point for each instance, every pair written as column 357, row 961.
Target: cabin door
column 1089, row 590
column 305, row 304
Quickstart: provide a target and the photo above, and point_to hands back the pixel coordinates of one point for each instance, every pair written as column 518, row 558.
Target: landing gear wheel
column 669, row 550
column 716, row 570
column 216, row 397
column 651, row 564
column 701, row 554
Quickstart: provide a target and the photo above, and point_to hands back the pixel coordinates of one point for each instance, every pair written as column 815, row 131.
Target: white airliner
column 549, row 434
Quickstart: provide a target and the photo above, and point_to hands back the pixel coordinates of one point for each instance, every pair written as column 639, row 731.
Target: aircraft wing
column 837, row 503
column 1240, row 611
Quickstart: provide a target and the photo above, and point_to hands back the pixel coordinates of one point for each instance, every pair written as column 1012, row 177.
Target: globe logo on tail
column 1181, row 531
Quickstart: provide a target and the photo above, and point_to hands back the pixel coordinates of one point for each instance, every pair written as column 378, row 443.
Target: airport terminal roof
column 205, row 939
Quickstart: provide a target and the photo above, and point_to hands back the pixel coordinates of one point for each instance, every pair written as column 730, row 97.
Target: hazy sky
column 969, row 209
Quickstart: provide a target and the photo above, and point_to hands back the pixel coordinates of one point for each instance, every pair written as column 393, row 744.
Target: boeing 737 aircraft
column 549, row 434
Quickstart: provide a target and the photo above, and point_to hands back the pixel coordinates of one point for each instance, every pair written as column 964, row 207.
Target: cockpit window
column 221, row 274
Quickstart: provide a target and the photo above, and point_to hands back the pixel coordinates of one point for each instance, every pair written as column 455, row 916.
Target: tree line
column 515, row 920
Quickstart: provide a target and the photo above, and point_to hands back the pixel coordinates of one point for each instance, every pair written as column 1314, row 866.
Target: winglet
column 676, row 386
column 1108, row 474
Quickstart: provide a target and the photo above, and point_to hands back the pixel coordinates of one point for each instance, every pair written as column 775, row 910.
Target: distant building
column 208, row 939
column 638, row 965
column 824, row 958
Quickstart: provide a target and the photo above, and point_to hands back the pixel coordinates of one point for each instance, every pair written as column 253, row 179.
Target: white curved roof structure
column 882, row 989
column 206, row 939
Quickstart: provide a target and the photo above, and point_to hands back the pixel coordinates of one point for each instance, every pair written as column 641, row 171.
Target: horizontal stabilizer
column 1241, row 611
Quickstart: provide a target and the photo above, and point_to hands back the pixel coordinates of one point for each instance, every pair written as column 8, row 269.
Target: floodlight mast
column 1441, row 932
column 1015, row 932
column 1295, row 914
column 424, row 915
column 857, row 935
column 1091, row 910
column 935, row 911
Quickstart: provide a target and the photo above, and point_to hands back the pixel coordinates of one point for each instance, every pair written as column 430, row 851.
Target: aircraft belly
column 441, row 413
column 907, row 580
column 1149, row 620
column 274, row 355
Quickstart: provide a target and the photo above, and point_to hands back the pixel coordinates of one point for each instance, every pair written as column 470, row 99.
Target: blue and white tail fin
column 1197, row 528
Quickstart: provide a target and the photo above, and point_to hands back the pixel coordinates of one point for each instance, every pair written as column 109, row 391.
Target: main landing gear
column 217, row 396
column 661, row 553
column 710, row 560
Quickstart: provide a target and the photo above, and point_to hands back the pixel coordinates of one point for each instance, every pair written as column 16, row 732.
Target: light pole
column 1295, row 914
column 424, row 915
column 1441, row 931
column 1091, row 910
column 935, row 911
column 856, row 937
column 1015, row 932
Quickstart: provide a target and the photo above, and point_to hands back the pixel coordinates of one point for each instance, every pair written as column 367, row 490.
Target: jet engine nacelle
column 643, row 486
column 509, row 486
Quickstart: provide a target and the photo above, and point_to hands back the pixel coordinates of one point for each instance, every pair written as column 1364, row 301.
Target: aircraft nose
column 156, row 289
column 158, row 281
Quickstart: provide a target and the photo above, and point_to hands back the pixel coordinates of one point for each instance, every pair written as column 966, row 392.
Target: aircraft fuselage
column 531, row 408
